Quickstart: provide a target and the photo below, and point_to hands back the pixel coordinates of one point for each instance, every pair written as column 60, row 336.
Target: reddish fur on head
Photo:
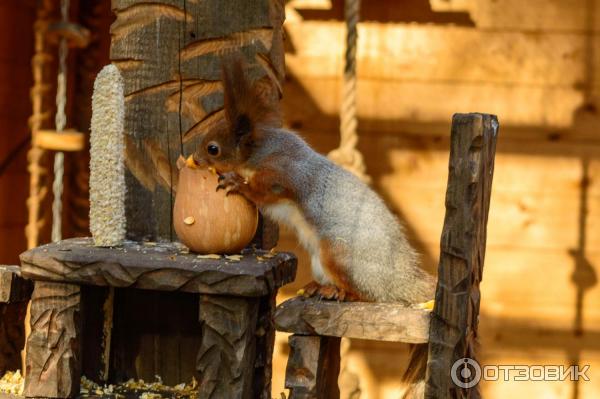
column 248, row 108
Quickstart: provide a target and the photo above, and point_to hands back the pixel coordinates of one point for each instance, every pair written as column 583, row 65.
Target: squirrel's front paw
column 231, row 182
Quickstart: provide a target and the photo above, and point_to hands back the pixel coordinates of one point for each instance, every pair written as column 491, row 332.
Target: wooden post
column 453, row 328
column 14, row 295
column 164, row 48
column 313, row 367
column 226, row 357
column 53, row 348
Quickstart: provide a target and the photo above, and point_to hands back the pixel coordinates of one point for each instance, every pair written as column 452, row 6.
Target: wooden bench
column 451, row 328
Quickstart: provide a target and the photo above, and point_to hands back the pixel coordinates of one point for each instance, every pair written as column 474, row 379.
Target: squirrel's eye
column 213, row 149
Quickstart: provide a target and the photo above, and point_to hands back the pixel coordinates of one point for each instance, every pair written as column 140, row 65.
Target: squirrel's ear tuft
column 246, row 108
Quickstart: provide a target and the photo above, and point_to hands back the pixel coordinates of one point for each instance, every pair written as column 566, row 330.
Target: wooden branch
column 53, row 348
column 313, row 367
column 453, row 329
column 226, row 357
column 162, row 266
column 377, row 321
column 13, row 287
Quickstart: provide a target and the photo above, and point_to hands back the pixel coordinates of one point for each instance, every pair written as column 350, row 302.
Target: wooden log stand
column 15, row 292
column 230, row 354
column 450, row 331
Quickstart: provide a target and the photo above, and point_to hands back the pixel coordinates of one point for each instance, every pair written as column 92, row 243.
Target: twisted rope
column 60, row 121
column 346, row 155
column 37, row 172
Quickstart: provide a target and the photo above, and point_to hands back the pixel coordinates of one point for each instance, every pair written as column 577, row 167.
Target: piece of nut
column 190, row 163
column 189, row 220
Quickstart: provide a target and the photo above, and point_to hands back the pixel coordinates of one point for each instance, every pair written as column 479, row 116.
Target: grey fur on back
column 378, row 259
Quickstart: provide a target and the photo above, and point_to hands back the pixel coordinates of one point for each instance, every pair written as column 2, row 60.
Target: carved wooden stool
column 208, row 318
column 451, row 329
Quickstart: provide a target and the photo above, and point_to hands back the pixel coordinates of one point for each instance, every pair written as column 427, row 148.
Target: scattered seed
column 189, row 220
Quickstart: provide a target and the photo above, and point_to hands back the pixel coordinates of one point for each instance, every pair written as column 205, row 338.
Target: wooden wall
column 16, row 48
column 535, row 64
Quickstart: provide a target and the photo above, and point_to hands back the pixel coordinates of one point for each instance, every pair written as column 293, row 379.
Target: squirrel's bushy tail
column 414, row 376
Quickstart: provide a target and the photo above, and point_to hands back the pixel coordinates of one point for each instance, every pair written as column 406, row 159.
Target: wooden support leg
column 53, row 349
column 14, row 295
column 453, row 327
column 227, row 353
column 265, row 335
column 313, row 367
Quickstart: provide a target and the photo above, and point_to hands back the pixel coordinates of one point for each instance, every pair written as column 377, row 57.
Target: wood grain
column 378, row 321
column 170, row 49
column 12, row 335
column 13, row 287
column 226, row 357
column 164, row 267
column 15, row 292
column 453, row 327
column 53, row 349
column 313, row 367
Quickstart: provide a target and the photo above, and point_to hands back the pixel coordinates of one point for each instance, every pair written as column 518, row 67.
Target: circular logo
column 465, row 373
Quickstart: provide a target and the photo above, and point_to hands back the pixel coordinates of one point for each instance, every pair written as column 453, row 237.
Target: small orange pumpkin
column 206, row 220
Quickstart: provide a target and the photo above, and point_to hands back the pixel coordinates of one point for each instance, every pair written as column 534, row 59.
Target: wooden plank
column 14, row 288
column 228, row 347
column 427, row 102
column 154, row 333
column 436, row 53
column 163, row 49
column 453, row 327
column 519, row 217
column 53, row 348
column 515, row 291
column 313, row 367
column 537, row 15
column 157, row 266
column 362, row 320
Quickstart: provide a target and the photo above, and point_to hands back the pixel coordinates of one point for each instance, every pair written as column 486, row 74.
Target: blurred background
column 535, row 63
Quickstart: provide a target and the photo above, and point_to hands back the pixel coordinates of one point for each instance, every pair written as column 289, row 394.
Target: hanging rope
column 60, row 121
column 347, row 155
column 37, row 172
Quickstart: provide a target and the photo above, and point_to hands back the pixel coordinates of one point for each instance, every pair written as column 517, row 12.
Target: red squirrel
column 358, row 248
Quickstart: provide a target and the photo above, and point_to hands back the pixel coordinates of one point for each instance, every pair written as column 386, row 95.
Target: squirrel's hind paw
column 329, row 291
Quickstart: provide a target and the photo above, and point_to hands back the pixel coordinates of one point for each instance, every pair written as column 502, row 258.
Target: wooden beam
column 453, row 328
column 313, row 367
column 228, row 349
column 378, row 321
column 158, row 266
column 53, row 348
